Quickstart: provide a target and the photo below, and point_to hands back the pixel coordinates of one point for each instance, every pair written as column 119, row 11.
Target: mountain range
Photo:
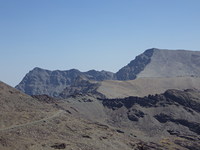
column 153, row 63
column 40, row 81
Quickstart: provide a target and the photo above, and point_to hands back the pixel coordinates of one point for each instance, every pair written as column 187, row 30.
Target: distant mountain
column 40, row 81
column 162, row 63
column 152, row 63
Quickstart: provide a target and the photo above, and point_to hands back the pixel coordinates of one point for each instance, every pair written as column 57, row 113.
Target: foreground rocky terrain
column 87, row 122
column 35, row 124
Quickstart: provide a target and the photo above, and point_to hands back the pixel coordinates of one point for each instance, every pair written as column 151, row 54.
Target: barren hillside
column 146, row 86
column 166, row 121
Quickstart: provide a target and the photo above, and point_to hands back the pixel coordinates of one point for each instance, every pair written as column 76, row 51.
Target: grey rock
column 174, row 112
column 40, row 81
column 81, row 86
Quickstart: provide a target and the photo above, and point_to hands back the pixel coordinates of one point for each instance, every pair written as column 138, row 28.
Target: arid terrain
column 29, row 124
column 167, row 121
column 146, row 85
column 153, row 103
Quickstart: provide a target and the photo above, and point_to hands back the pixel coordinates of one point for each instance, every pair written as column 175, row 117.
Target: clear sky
column 90, row 34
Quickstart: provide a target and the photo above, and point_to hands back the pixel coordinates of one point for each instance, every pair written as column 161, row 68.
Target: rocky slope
column 46, row 124
column 145, row 86
column 162, row 121
column 81, row 86
column 17, row 108
column 156, row 122
column 40, row 81
column 174, row 115
column 137, row 65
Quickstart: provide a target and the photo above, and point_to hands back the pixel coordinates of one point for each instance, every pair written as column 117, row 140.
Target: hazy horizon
column 85, row 35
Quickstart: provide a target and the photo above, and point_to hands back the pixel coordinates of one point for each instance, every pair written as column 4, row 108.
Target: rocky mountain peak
column 156, row 62
column 40, row 81
column 137, row 65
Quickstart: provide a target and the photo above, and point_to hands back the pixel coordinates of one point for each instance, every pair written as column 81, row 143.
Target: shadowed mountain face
column 137, row 65
column 40, row 81
column 153, row 63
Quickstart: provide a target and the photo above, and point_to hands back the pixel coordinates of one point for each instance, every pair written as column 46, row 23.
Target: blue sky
column 90, row 34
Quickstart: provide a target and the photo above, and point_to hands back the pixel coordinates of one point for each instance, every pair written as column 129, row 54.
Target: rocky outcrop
column 193, row 126
column 59, row 146
column 45, row 98
column 189, row 98
column 40, row 81
column 174, row 112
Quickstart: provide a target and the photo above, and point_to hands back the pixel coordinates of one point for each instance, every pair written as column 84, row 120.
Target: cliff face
column 40, row 81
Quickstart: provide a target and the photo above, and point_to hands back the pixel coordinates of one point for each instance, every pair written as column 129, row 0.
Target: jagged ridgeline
column 153, row 63
column 40, row 81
